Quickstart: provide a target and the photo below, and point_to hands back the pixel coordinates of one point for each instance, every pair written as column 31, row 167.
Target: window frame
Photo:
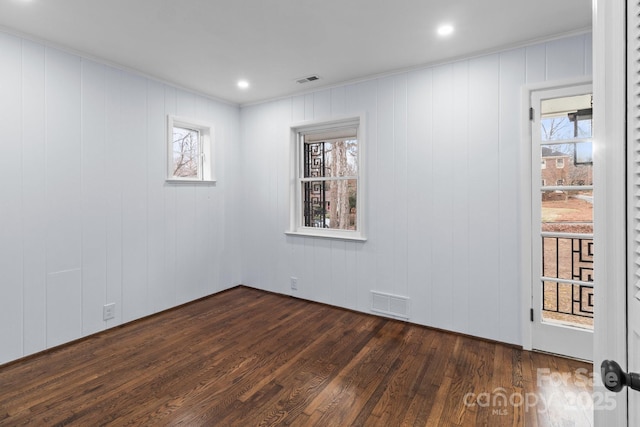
column 560, row 163
column 206, row 170
column 296, row 223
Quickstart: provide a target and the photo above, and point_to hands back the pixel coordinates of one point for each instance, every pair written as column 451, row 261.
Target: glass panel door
column 562, row 229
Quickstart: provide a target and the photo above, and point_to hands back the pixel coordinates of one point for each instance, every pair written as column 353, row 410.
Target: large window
column 327, row 192
column 190, row 151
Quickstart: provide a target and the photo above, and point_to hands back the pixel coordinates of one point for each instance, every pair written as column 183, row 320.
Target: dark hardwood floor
column 246, row 357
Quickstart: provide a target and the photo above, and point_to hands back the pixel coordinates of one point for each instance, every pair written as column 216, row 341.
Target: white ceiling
column 208, row 45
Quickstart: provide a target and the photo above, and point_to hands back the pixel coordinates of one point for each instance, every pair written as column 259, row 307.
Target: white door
column 616, row 182
column 562, row 221
column 633, row 153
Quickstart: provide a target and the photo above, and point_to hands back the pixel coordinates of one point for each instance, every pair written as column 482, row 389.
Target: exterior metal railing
column 567, row 273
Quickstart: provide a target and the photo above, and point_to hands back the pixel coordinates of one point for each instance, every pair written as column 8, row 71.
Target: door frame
column 526, row 196
column 609, row 93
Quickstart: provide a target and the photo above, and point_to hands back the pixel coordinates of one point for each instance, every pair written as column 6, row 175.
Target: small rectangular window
column 559, row 163
column 190, row 151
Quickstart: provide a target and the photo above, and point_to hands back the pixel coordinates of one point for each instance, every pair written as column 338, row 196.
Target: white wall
column 85, row 215
column 443, row 155
column 86, row 218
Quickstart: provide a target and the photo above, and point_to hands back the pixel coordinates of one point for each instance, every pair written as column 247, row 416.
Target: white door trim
column 609, row 97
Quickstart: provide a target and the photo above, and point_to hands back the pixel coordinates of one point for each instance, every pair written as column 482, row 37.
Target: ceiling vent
column 308, row 79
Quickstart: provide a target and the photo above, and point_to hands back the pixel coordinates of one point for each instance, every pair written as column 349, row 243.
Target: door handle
column 614, row 378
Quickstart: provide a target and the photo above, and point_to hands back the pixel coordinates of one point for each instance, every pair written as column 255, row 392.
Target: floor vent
column 308, row 79
column 391, row 305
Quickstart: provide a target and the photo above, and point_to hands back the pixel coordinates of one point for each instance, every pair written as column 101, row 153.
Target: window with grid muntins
column 327, row 197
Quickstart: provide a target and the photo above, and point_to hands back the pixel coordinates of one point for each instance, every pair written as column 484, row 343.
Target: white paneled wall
column 87, row 219
column 443, row 156
column 85, row 215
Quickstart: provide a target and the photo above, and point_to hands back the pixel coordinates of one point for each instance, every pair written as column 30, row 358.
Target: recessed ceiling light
column 243, row 84
column 445, row 30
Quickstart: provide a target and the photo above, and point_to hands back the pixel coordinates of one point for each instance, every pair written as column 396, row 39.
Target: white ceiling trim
column 317, row 88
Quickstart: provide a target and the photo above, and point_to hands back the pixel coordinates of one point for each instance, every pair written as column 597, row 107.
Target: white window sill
column 325, row 234
column 190, row 181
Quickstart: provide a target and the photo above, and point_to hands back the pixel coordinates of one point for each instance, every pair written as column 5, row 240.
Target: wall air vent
column 390, row 305
column 308, row 79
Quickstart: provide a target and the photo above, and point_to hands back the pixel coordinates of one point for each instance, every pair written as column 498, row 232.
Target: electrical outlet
column 109, row 311
column 294, row 283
